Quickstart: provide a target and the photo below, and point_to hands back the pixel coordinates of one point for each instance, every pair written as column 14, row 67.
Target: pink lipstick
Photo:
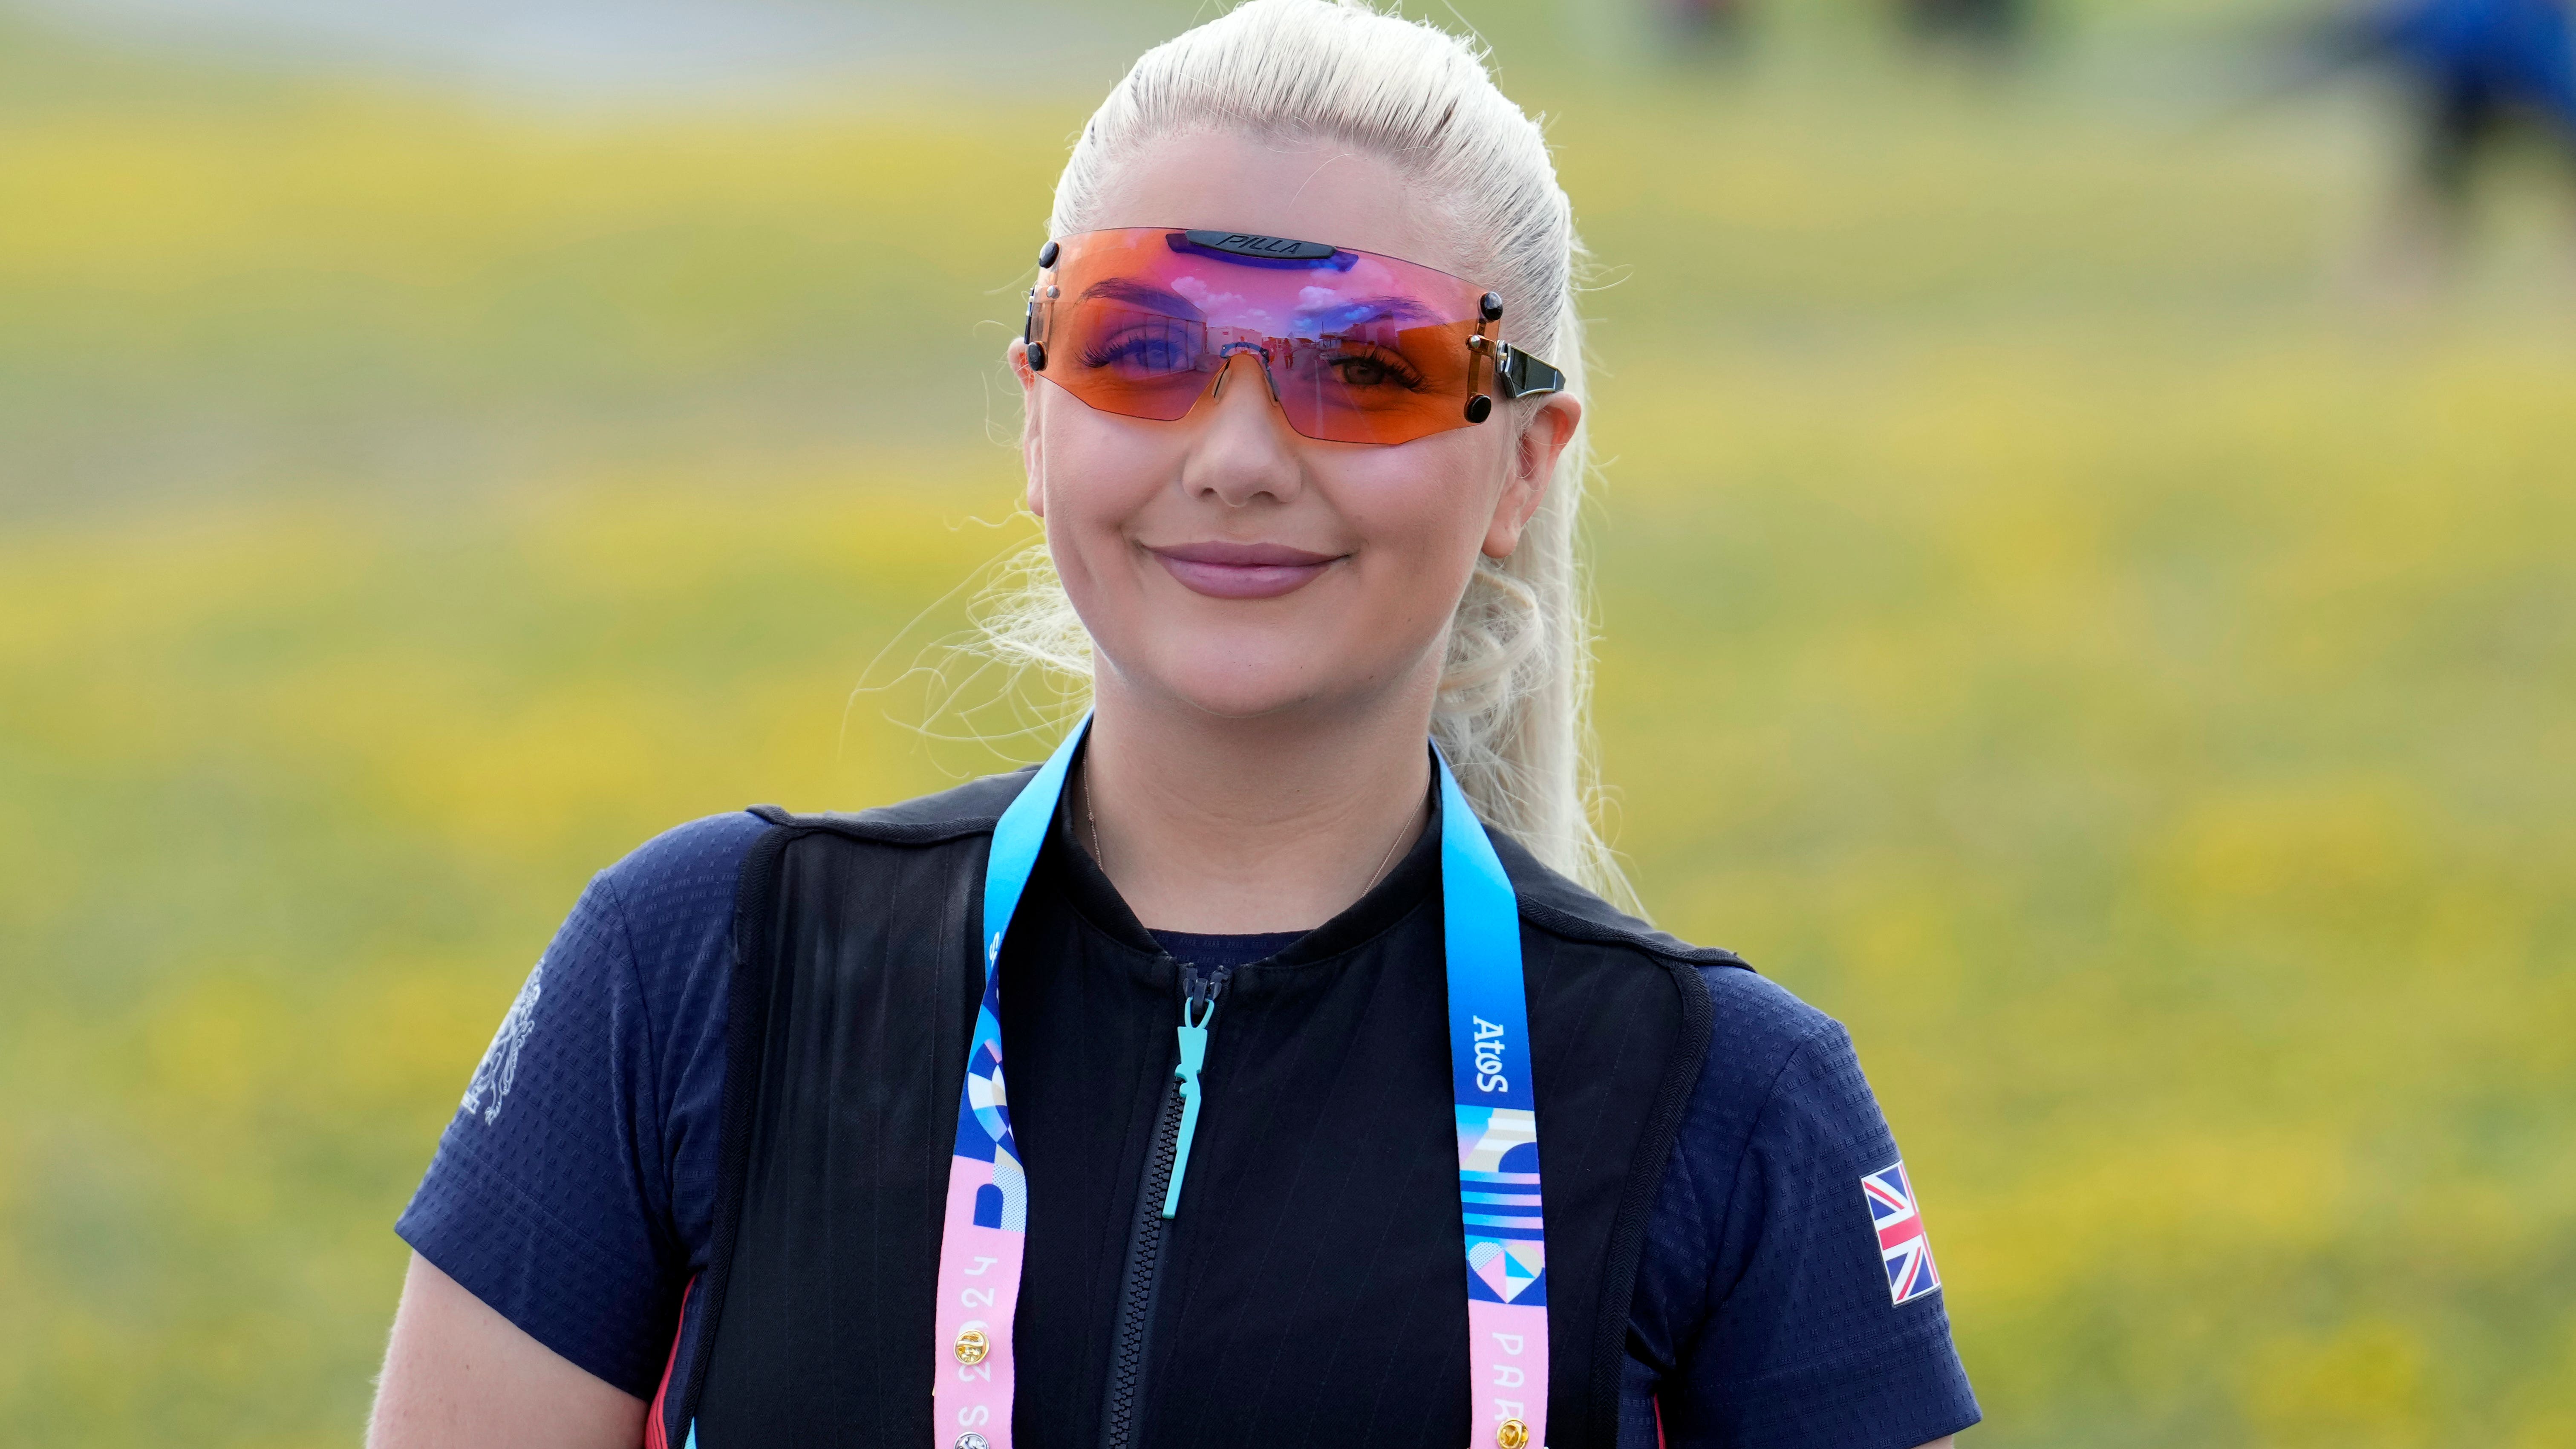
column 1223, row 570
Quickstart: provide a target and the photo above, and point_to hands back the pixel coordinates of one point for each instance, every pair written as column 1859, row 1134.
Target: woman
column 1289, row 1031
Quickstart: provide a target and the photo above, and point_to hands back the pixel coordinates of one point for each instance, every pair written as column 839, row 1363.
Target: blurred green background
column 2072, row 609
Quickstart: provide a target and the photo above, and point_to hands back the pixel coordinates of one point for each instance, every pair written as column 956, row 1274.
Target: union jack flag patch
column 1910, row 1273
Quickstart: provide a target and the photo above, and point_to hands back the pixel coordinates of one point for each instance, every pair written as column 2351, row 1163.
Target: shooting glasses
column 1356, row 347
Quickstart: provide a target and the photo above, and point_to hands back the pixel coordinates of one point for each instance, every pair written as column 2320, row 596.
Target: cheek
column 1100, row 472
column 1425, row 504
column 1421, row 518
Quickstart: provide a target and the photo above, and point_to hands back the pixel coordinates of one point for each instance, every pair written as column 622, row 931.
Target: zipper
column 1158, row 1201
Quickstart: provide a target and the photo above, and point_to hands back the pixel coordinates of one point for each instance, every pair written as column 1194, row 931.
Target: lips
column 1242, row 570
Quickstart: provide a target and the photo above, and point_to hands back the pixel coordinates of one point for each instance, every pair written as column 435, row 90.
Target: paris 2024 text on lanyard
column 1505, row 1275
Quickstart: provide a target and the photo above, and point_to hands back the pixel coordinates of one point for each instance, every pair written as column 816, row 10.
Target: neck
column 1232, row 826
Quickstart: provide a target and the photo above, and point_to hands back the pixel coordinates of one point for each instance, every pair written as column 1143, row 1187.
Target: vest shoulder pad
column 1561, row 908
column 952, row 814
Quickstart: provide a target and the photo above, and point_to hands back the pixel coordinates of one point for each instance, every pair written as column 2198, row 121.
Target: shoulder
column 1758, row 1016
column 678, row 887
column 672, row 898
column 1555, row 906
column 684, row 863
column 1759, row 1030
column 657, row 926
column 952, row 814
column 1755, row 1025
column 1762, row 1041
column 1781, row 1080
column 686, row 877
column 689, row 861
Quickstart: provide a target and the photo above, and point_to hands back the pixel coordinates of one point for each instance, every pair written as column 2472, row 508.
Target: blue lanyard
column 1505, row 1277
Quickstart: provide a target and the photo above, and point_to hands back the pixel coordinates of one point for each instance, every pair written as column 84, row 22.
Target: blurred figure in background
column 1982, row 27
column 2482, row 70
column 1705, row 26
column 2483, row 76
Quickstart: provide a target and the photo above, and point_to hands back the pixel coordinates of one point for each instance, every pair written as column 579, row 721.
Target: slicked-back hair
column 1513, row 713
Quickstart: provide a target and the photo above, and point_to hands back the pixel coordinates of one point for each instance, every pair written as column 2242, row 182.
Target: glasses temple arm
column 1520, row 375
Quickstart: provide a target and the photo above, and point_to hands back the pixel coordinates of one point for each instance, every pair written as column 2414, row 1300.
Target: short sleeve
column 1813, row 1334
column 572, row 1192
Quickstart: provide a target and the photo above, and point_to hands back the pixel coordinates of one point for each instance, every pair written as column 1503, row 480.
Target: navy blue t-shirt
column 575, row 1190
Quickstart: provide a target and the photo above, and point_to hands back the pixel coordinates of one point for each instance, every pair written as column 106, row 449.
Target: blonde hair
column 1513, row 713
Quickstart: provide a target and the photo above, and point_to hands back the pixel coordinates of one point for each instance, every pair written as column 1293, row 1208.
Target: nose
column 1245, row 450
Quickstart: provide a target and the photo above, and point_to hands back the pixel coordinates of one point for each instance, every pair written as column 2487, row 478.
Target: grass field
column 2059, row 618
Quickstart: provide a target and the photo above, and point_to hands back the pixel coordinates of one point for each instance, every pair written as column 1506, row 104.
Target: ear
column 1032, row 451
column 1543, row 437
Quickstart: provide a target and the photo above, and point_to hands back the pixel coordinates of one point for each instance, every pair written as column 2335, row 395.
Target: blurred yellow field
column 2056, row 618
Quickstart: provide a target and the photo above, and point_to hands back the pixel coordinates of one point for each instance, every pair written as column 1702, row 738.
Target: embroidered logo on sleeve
column 1910, row 1273
column 501, row 1060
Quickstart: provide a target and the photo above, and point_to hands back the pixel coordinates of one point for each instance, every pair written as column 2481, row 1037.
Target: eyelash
column 1404, row 372
column 1103, row 353
column 1398, row 369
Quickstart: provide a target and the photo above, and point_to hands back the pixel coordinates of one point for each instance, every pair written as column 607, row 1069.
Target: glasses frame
column 1515, row 373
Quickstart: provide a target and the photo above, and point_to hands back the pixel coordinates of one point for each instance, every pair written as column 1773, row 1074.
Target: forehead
column 1319, row 192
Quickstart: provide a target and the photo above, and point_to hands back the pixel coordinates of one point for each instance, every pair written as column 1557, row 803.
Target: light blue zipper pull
column 1194, row 1039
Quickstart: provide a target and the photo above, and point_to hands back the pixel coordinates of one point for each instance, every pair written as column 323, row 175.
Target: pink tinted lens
column 1359, row 348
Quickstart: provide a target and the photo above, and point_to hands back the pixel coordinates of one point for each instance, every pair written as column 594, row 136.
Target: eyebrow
column 1151, row 298
column 1391, row 307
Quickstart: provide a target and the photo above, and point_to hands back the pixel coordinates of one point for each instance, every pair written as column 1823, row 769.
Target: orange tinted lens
column 1379, row 383
column 1360, row 348
column 1131, row 360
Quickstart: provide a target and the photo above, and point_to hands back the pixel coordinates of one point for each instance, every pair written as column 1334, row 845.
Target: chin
column 1247, row 679
column 1241, row 693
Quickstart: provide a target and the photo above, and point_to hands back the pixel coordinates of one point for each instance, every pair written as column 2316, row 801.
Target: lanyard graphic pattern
column 1498, row 1171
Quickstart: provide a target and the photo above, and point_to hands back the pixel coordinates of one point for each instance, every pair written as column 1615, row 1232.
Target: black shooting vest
column 1311, row 1291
